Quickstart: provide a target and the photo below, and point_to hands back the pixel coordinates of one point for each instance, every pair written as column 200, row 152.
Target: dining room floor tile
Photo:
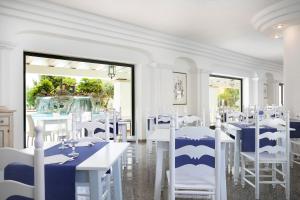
column 139, row 176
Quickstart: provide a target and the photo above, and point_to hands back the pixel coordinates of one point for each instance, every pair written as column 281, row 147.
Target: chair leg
column 291, row 160
column 287, row 181
column 256, row 180
column 231, row 156
column 243, row 172
column 273, row 175
column 107, row 177
column 149, row 147
column 227, row 163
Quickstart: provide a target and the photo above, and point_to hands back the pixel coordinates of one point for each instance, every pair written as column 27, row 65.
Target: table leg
column 123, row 132
column 158, row 174
column 117, row 180
column 237, row 145
column 96, row 185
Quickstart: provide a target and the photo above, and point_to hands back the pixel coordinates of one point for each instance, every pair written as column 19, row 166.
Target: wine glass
column 63, row 142
column 73, row 143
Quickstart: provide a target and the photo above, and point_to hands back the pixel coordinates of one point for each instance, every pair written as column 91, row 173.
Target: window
column 224, row 93
column 281, row 94
column 57, row 86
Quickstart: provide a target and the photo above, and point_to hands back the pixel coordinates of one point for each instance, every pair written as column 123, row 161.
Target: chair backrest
column 250, row 113
column 9, row 156
column 102, row 128
column 195, row 158
column 281, row 136
column 115, row 117
column 187, row 120
column 235, row 116
column 191, row 120
column 163, row 121
column 195, row 132
column 31, row 127
column 274, row 111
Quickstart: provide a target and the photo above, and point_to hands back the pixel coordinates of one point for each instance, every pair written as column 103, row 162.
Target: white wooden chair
column 190, row 180
column 295, row 151
column 8, row 156
column 30, row 130
column 187, row 120
column 250, row 113
column 91, row 126
column 277, row 155
column 163, row 121
column 235, row 116
column 83, row 179
column 232, row 117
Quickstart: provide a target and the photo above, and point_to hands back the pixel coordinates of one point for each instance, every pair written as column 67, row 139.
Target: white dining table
column 162, row 138
column 97, row 165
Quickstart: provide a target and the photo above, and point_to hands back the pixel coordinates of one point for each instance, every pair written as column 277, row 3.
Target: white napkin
column 59, row 158
column 84, row 144
column 91, row 139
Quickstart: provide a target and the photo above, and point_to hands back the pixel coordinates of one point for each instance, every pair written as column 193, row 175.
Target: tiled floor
column 138, row 182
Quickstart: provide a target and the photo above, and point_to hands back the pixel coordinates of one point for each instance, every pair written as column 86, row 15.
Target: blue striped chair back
column 194, row 161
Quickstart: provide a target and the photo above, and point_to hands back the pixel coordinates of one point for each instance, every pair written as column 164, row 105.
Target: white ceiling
column 222, row 23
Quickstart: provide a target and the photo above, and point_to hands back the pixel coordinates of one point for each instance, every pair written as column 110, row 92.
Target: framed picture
column 179, row 88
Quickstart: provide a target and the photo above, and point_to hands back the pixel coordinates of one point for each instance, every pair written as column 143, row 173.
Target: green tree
column 64, row 84
column 55, row 80
column 108, row 93
column 42, row 88
column 69, row 84
column 230, row 96
column 92, row 87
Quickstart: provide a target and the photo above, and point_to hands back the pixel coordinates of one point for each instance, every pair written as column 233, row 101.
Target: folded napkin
column 59, row 158
column 84, row 144
column 91, row 139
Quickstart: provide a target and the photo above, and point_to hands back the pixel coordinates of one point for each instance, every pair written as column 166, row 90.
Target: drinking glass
column 63, row 142
column 73, row 143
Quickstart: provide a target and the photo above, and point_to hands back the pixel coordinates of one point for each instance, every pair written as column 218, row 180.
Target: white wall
column 122, row 97
column 26, row 27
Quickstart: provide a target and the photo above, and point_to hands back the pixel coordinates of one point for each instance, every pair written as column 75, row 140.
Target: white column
column 276, row 92
column 253, row 98
column 292, row 69
column 203, row 98
column 261, row 100
column 5, row 55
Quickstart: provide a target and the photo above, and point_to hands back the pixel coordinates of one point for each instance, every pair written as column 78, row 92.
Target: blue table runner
column 59, row 179
column 296, row 125
column 248, row 137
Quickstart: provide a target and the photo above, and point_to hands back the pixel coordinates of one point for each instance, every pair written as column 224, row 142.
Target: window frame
column 80, row 59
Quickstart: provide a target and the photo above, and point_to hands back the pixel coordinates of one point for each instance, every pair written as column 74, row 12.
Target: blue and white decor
column 194, row 164
column 277, row 154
